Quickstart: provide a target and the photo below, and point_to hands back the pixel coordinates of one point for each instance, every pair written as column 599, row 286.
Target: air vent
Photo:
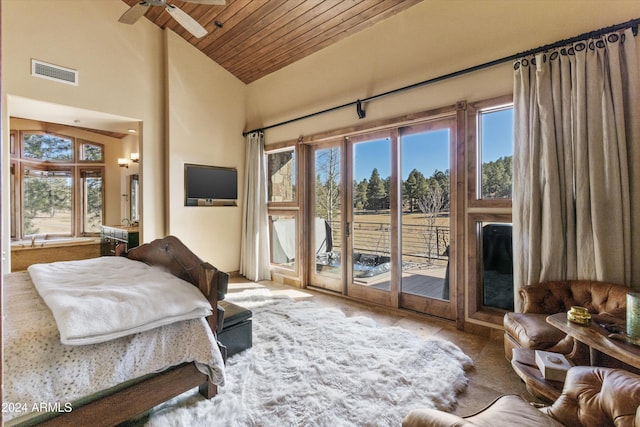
column 54, row 72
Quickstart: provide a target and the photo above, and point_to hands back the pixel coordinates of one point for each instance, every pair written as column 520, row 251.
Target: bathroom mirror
column 134, row 191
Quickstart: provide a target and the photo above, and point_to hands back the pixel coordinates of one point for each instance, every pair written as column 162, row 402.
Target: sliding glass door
column 371, row 218
column 428, row 212
column 325, row 225
column 381, row 216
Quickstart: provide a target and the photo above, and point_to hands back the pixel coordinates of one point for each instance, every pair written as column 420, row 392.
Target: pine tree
column 376, row 193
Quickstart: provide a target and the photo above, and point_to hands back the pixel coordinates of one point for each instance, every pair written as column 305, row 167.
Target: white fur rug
column 313, row 366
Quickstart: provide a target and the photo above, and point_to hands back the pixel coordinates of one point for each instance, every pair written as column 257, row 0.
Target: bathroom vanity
column 112, row 236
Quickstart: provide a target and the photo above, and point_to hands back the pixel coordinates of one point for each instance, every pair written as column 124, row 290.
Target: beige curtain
column 254, row 256
column 576, row 203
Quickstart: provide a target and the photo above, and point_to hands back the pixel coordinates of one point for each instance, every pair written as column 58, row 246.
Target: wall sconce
column 123, row 162
column 135, row 157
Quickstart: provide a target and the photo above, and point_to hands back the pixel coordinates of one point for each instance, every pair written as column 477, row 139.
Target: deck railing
column 423, row 244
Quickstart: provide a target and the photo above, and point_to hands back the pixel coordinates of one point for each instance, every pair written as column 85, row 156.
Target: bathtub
column 25, row 252
column 53, row 241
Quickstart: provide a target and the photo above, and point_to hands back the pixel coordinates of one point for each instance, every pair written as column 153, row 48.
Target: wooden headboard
column 172, row 255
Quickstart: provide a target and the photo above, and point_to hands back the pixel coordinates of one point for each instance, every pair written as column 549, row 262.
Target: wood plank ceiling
column 253, row 38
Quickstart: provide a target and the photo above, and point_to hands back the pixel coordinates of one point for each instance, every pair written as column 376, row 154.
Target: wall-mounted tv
column 210, row 185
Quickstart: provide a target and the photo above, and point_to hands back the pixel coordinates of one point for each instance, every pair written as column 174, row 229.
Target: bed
column 108, row 382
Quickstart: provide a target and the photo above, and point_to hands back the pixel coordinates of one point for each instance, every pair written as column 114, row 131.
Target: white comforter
column 100, row 299
column 38, row 368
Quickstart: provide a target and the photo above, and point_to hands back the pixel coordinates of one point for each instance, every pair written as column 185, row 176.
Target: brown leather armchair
column 591, row 397
column 529, row 328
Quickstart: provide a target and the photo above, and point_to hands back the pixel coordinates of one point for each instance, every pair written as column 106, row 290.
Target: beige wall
column 205, row 122
column 113, row 175
column 192, row 110
column 123, row 71
column 432, row 38
column 120, row 73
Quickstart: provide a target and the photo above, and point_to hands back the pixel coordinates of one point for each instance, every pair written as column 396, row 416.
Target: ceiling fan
column 136, row 11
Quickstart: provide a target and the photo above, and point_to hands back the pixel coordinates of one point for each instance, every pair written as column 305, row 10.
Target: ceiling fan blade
column 134, row 13
column 186, row 21
column 211, row 2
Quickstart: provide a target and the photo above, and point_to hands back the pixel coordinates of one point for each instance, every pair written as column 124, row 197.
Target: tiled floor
column 491, row 376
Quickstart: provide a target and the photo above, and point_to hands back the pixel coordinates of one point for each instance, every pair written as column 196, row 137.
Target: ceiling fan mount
column 138, row 10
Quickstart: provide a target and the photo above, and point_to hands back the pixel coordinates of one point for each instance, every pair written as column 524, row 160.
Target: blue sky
column 430, row 151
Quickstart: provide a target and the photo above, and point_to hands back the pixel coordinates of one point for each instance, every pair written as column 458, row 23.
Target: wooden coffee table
column 524, row 364
column 596, row 338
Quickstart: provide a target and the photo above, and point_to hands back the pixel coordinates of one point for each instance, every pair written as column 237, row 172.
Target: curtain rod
column 358, row 103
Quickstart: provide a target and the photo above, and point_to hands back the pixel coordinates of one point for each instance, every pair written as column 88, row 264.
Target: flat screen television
column 210, row 185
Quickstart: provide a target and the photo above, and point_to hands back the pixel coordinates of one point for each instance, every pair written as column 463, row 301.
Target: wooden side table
column 596, row 337
column 524, row 364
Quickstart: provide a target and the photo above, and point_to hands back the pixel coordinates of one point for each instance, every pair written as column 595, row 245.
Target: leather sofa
column 529, row 329
column 591, row 397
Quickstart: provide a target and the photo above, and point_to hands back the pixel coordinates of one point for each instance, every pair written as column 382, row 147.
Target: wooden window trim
column 473, row 152
column 75, row 166
column 74, row 149
column 81, row 209
column 79, row 142
column 273, row 149
column 475, row 309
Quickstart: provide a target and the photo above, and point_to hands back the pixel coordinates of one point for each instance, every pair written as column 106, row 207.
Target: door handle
column 347, row 231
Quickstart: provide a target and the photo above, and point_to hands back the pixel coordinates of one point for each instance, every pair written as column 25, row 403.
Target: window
column 90, row 152
column 55, row 192
column 491, row 153
column 496, row 148
column 284, row 227
column 281, row 166
column 47, row 201
column 91, row 191
column 46, row 147
column 490, row 281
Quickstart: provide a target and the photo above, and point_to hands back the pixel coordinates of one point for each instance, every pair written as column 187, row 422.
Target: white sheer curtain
column 254, row 256
column 576, row 203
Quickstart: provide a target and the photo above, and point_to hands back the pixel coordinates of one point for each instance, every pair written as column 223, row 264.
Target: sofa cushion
column 511, row 410
column 596, row 396
column 558, row 296
column 531, row 330
column 506, row 411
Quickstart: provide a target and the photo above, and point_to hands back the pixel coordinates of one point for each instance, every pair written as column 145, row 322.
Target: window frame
column 476, row 309
column 82, row 209
column 79, row 151
column 73, row 149
column 47, row 167
column 480, row 211
column 281, row 149
column 289, row 208
column 280, row 268
column 76, row 168
column 474, row 152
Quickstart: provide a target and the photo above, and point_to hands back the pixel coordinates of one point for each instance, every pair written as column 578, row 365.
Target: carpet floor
column 313, row 366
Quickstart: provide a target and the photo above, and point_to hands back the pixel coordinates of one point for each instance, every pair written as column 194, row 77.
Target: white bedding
column 100, row 299
column 39, row 369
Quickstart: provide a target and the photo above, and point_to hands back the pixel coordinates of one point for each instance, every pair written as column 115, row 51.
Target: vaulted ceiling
column 253, row 38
